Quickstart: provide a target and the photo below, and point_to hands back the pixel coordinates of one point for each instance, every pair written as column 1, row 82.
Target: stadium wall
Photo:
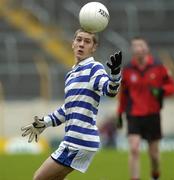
column 15, row 114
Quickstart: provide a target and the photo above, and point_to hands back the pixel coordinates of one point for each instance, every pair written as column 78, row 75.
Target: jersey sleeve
column 103, row 83
column 168, row 82
column 122, row 100
column 57, row 117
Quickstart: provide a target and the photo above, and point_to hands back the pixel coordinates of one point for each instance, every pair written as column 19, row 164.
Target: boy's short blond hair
column 95, row 36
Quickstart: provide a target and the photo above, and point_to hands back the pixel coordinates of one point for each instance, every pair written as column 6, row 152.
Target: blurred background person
column 108, row 132
column 144, row 85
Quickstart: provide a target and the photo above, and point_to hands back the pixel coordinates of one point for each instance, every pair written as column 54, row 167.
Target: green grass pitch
column 108, row 164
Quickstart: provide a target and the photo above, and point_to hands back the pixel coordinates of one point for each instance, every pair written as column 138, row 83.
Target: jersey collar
column 149, row 61
column 85, row 61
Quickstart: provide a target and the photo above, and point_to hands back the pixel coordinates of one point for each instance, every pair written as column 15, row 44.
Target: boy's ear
column 94, row 48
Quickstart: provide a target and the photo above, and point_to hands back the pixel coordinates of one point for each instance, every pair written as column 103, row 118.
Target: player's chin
column 80, row 57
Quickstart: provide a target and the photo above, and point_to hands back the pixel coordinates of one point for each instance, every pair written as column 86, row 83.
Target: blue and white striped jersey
column 84, row 85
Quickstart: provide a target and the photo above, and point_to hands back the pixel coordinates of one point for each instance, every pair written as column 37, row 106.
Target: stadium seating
column 39, row 28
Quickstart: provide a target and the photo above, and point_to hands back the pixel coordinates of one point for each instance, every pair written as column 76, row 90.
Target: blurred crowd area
column 36, row 36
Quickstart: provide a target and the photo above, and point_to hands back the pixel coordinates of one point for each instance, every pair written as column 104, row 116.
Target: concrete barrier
column 16, row 114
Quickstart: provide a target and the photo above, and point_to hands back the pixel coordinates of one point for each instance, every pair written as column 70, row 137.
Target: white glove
column 34, row 129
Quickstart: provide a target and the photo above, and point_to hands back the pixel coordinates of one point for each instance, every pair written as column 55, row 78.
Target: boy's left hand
column 115, row 63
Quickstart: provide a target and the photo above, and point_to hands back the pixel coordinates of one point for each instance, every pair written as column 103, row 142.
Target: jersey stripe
column 81, row 130
column 80, row 117
column 81, row 142
column 86, row 92
column 81, row 104
column 78, row 79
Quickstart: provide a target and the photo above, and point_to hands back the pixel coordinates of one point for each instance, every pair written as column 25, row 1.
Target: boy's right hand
column 34, row 129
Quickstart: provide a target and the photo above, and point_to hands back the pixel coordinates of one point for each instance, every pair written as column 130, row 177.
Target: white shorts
column 78, row 159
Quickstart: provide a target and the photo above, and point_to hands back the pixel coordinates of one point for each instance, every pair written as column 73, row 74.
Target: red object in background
column 136, row 98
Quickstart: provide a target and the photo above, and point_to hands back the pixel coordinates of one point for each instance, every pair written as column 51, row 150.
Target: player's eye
column 78, row 39
column 88, row 41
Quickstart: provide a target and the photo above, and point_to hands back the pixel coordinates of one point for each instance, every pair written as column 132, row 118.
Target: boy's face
column 83, row 45
column 139, row 48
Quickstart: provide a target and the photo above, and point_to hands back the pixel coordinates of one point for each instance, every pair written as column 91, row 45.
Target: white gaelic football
column 94, row 17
